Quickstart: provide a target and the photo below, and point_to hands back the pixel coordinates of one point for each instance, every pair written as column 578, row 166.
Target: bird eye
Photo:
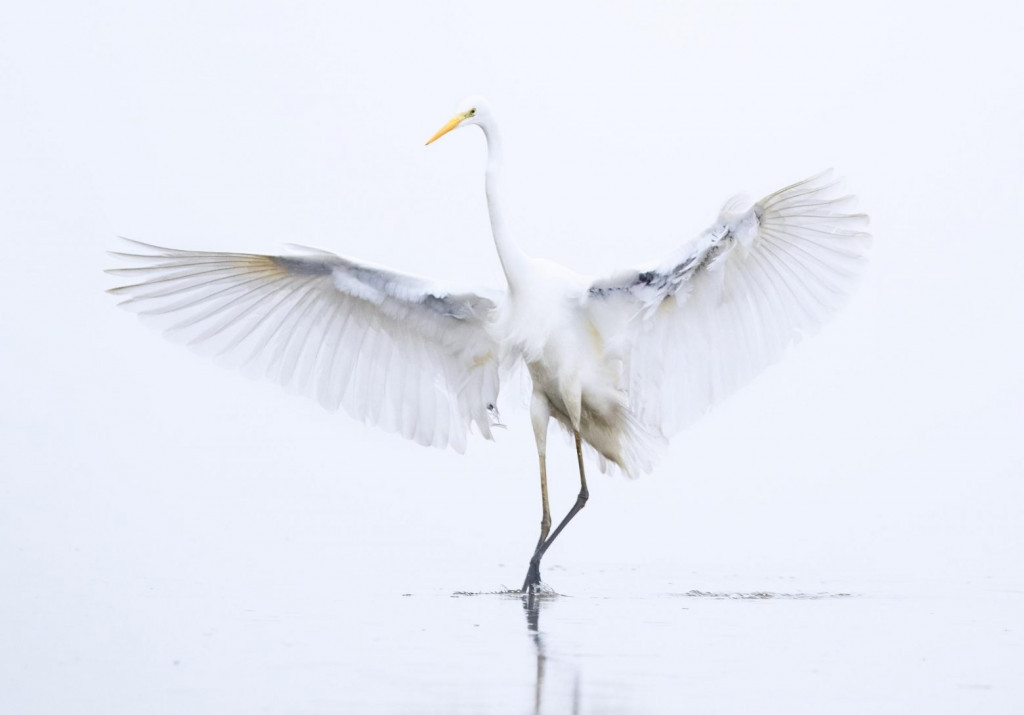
column 472, row 111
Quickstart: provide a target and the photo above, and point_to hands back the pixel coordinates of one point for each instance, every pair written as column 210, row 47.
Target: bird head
column 472, row 110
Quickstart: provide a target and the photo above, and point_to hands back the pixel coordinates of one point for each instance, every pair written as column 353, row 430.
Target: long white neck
column 513, row 260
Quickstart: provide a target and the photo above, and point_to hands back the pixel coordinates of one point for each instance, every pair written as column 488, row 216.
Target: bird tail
column 631, row 449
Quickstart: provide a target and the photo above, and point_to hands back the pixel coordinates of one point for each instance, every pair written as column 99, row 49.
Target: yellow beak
column 452, row 123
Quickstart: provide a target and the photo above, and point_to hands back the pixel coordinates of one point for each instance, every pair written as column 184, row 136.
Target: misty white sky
column 887, row 447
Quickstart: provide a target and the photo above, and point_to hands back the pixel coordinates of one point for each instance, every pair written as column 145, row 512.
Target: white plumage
column 705, row 322
column 620, row 362
column 393, row 350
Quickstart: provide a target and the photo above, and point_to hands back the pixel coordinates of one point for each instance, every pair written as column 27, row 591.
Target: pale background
column 177, row 538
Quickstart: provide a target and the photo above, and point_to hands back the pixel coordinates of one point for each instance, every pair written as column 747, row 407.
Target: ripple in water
column 760, row 595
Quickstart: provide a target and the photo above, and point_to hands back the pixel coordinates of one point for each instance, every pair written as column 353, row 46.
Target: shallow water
column 631, row 642
column 261, row 634
column 710, row 651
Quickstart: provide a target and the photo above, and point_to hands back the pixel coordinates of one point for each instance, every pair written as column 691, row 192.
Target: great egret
column 619, row 362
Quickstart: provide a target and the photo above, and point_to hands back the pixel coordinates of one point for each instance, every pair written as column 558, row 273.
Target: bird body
column 574, row 371
column 621, row 363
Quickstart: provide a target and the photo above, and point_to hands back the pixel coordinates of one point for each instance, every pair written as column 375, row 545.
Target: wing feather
column 729, row 303
column 393, row 350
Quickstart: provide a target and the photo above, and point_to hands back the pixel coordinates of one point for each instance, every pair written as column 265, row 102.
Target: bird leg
column 533, row 574
column 539, row 415
column 581, row 498
column 545, row 521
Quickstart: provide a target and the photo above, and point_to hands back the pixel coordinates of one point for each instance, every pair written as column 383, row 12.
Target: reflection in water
column 551, row 662
column 532, row 605
column 629, row 646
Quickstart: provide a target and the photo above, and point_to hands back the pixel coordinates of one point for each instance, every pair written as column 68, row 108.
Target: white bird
column 620, row 362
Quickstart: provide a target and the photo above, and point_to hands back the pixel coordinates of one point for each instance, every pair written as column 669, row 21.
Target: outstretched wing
column 393, row 350
column 700, row 325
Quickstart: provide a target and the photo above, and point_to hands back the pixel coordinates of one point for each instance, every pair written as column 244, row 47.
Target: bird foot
column 532, row 582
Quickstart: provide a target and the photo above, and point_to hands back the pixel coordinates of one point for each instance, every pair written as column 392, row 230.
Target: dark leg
column 533, row 575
